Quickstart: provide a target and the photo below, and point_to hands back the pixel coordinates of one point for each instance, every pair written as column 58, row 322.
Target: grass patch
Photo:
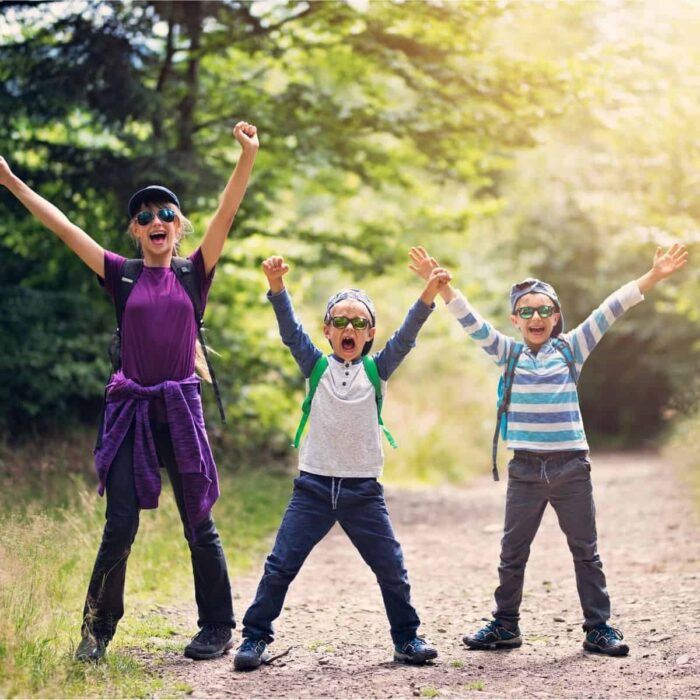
column 48, row 542
column 429, row 692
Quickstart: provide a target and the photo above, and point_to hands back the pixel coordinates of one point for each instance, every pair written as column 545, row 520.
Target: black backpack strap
column 186, row 274
column 128, row 275
column 508, row 375
column 566, row 350
column 130, row 272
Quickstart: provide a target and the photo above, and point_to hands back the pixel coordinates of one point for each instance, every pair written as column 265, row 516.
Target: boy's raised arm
column 88, row 250
column 291, row 331
column 404, row 340
column 491, row 341
column 588, row 333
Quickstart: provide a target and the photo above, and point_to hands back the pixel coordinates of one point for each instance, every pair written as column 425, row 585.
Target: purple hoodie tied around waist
column 127, row 400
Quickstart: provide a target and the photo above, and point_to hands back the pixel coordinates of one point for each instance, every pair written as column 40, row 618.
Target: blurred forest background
column 559, row 139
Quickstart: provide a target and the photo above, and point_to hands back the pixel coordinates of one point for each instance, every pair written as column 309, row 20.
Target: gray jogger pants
column 564, row 480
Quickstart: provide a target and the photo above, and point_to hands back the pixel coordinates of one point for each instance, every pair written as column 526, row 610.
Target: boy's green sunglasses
column 527, row 312
column 143, row 218
column 358, row 323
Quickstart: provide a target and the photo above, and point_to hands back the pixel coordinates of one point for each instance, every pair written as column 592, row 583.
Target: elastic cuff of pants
column 510, row 625
column 403, row 639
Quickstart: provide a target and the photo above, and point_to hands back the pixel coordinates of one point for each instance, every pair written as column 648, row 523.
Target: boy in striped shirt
column 544, row 429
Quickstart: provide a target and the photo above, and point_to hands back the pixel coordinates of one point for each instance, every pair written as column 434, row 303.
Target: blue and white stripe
column 544, row 413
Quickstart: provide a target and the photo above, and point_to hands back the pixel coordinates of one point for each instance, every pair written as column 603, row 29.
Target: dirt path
column 335, row 623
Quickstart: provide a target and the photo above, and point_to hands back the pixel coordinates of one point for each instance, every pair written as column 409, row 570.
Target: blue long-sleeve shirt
column 544, row 413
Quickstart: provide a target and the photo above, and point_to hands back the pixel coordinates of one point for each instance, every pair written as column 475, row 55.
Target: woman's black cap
column 152, row 193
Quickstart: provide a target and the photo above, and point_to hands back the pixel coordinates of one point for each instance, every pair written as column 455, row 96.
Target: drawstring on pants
column 335, row 495
column 544, row 470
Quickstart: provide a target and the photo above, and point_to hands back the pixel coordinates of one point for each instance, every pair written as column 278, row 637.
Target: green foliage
column 368, row 116
column 611, row 181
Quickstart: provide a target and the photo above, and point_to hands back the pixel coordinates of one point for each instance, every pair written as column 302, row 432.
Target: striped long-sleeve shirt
column 544, row 413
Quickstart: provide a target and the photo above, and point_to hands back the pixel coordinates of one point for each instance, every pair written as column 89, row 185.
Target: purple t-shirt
column 158, row 326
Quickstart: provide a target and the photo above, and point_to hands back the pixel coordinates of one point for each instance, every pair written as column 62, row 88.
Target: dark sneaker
column 494, row 636
column 210, row 642
column 91, row 648
column 605, row 640
column 415, row 651
column 250, row 655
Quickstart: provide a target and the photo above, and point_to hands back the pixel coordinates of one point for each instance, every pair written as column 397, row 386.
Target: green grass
column 48, row 542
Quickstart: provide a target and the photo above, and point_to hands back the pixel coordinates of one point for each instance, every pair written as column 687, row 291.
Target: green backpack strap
column 316, row 374
column 373, row 374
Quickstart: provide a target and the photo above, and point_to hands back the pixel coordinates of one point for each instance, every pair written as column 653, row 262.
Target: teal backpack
column 317, row 372
column 505, row 387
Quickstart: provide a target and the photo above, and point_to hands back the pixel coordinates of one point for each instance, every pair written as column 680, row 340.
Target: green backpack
column 317, row 372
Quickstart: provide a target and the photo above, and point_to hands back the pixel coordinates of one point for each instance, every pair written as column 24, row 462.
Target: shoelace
column 208, row 634
column 486, row 630
column 252, row 645
column 611, row 633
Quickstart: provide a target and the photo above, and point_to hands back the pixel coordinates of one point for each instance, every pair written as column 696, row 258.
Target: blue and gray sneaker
column 414, row 651
column 494, row 636
column 604, row 639
column 250, row 655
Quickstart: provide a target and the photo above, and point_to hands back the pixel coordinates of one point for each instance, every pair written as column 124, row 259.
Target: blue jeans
column 564, row 480
column 104, row 603
column 318, row 502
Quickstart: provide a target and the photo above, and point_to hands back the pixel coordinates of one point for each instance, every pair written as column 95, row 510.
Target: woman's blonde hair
column 200, row 362
column 186, row 228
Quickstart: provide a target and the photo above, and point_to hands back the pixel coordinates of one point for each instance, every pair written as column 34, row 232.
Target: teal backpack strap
column 505, row 387
column 565, row 349
column 373, row 375
column 316, row 374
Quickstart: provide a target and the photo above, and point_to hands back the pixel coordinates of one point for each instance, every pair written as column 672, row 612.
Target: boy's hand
column 422, row 264
column 664, row 265
column 275, row 269
column 247, row 135
column 5, row 172
column 439, row 278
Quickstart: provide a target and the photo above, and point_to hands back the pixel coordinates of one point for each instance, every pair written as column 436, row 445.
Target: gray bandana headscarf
column 357, row 295
column 532, row 285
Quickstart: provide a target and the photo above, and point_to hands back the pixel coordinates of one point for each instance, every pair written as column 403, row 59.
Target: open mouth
column 347, row 344
column 157, row 237
column 537, row 330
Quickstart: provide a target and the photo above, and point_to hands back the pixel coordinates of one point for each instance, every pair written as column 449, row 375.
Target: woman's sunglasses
column 167, row 216
column 527, row 312
column 358, row 323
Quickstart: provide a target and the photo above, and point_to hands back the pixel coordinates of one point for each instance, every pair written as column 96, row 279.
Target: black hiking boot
column 91, row 648
column 494, row 636
column 604, row 639
column 210, row 642
column 250, row 655
column 414, row 651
